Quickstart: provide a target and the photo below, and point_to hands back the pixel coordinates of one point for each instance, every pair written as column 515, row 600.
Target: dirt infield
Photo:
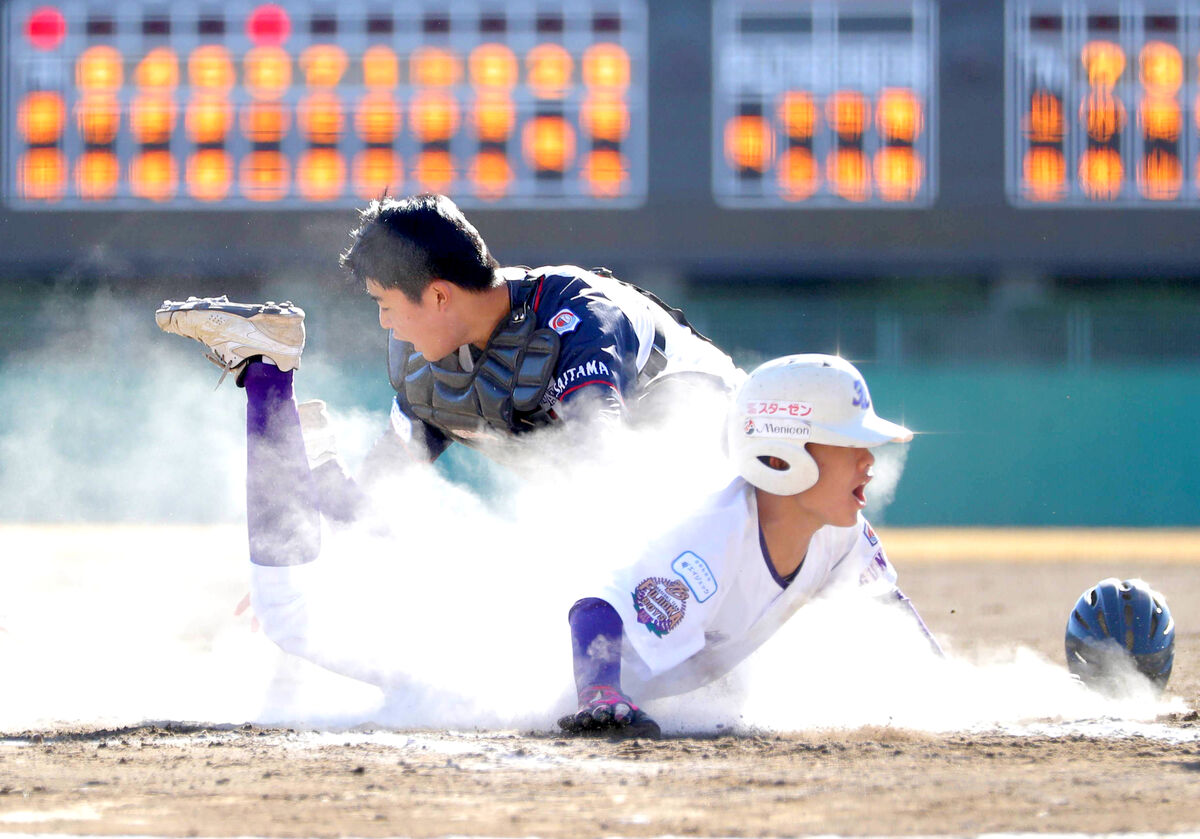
column 1045, row 545
column 182, row 782
column 234, row 780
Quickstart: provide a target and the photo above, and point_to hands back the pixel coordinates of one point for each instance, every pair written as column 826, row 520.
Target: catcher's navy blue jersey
column 614, row 340
column 599, row 339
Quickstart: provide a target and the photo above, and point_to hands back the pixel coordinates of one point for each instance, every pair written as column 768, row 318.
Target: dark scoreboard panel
column 1101, row 103
column 307, row 103
column 709, row 139
column 819, row 104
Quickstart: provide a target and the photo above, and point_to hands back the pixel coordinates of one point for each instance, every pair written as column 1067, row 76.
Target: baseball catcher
column 478, row 354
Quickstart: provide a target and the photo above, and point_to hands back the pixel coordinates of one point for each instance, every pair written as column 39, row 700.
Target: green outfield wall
column 1029, row 446
column 1004, row 446
column 1054, row 431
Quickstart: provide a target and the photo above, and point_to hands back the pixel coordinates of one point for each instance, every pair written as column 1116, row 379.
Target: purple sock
column 596, row 636
column 282, row 515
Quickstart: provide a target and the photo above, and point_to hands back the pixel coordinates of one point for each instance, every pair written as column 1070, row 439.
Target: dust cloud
column 453, row 615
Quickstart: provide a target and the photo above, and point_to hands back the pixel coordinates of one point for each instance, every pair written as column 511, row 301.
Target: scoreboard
column 306, row 103
column 1101, row 103
column 820, row 104
column 685, row 139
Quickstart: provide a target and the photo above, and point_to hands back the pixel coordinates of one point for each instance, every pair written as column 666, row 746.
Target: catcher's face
column 429, row 324
column 840, row 491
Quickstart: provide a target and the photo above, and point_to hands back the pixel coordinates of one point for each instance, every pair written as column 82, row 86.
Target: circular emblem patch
column 660, row 603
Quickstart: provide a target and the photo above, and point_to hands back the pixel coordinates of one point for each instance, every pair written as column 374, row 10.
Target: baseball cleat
column 235, row 333
column 604, row 710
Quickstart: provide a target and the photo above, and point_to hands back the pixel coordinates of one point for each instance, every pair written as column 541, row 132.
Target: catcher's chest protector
column 501, row 393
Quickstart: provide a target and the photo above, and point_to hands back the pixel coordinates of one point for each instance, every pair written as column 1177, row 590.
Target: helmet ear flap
column 794, row 470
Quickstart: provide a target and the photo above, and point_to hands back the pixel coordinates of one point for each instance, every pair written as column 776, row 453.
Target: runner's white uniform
column 699, row 600
column 704, row 596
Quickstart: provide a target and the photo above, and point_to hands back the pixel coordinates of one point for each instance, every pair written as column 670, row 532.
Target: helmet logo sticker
column 778, row 428
column 660, row 603
column 772, row 408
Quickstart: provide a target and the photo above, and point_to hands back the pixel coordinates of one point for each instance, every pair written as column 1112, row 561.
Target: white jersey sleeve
column 684, row 350
column 864, row 563
column 706, row 595
column 672, row 598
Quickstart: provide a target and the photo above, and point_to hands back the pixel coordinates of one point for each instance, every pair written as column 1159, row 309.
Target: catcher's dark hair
column 407, row 243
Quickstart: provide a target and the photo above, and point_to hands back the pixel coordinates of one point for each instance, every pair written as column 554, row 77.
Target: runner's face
column 840, row 491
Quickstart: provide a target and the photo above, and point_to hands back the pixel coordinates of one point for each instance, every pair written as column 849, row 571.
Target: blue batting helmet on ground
column 1116, row 619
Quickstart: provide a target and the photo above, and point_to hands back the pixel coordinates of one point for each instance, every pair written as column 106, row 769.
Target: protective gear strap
column 503, row 390
column 657, row 362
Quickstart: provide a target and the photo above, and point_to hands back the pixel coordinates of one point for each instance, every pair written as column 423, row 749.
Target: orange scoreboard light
column 308, row 104
column 824, row 103
column 1101, row 108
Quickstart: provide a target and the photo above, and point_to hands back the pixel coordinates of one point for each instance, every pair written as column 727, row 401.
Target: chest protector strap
column 503, row 390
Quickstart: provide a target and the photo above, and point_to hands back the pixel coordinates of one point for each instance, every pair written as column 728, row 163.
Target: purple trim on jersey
column 283, row 519
column 933, row 642
column 782, row 582
column 596, row 638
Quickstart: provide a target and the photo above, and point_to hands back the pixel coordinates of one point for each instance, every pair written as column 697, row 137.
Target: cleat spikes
column 236, row 333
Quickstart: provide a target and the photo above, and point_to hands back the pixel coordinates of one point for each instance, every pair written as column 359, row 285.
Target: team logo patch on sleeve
column 869, row 533
column 660, row 603
column 564, row 321
column 696, row 574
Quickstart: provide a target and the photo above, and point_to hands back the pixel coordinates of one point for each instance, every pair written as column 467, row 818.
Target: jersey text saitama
column 608, row 333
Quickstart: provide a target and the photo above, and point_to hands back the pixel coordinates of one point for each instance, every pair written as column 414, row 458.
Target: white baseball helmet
column 801, row 399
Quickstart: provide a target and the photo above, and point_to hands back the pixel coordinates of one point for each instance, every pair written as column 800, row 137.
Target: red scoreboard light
column 824, row 103
column 1098, row 109
column 304, row 103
